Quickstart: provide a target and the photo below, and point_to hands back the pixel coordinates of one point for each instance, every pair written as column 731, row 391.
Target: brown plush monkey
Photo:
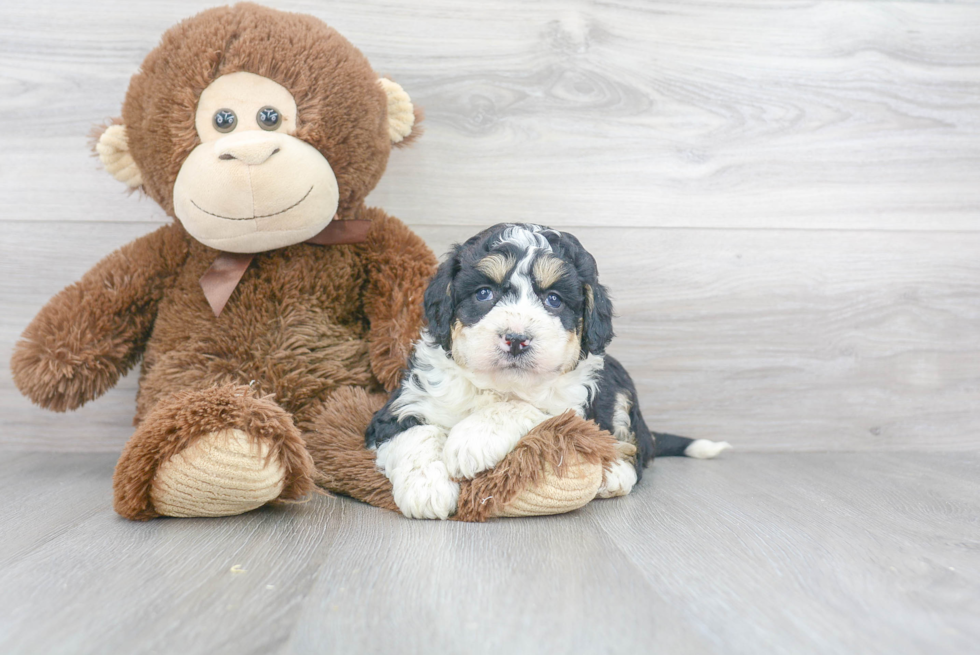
column 273, row 314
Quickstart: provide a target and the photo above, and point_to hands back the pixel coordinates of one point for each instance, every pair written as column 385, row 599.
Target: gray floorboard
column 755, row 552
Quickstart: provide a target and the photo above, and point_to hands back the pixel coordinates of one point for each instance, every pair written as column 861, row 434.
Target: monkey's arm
column 399, row 266
column 95, row 330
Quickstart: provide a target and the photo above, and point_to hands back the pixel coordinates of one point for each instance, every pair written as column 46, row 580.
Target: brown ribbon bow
column 219, row 282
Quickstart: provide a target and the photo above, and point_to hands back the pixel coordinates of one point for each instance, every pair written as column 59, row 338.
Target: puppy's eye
column 484, row 294
column 224, row 120
column 553, row 300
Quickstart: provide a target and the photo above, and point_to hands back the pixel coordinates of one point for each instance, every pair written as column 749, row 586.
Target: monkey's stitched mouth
column 252, row 218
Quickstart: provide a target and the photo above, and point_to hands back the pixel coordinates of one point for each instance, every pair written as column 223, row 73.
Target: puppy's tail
column 670, row 445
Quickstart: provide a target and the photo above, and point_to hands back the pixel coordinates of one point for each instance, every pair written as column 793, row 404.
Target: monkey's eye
column 225, row 120
column 553, row 300
column 268, row 118
column 484, row 294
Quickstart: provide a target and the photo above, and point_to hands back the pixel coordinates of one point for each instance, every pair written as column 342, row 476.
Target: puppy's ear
column 439, row 303
column 597, row 312
column 597, row 330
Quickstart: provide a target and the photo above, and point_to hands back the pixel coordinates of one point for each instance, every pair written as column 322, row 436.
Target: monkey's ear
column 113, row 149
column 403, row 116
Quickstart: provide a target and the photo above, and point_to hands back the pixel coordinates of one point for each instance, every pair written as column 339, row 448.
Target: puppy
column 517, row 324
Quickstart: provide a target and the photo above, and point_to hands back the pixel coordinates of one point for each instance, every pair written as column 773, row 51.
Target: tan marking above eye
column 496, row 266
column 548, row 270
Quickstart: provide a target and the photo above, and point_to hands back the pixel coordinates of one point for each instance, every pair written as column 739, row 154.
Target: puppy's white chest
column 492, row 403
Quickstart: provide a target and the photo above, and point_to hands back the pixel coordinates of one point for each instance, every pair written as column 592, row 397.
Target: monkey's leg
column 555, row 468
column 335, row 439
column 215, row 452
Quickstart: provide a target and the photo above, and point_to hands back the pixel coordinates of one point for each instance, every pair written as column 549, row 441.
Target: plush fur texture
column 95, row 330
column 250, row 186
column 341, row 107
column 311, row 337
column 336, row 443
column 304, row 322
column 181, row 419
column 556, row 442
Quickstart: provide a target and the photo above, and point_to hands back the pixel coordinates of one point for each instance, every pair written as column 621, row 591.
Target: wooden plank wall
column 784, row 197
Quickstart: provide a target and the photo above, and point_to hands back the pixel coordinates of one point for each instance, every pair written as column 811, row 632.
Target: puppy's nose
column 251, row 147
column 517, row 343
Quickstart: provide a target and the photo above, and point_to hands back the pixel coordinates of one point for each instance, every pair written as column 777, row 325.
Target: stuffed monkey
column 273, row 314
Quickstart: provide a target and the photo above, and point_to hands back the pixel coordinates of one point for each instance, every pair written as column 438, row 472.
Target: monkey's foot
column 216, row 452
column 555, row 468
column 220, row 474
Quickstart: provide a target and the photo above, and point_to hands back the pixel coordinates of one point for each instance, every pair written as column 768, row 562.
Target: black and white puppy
column 517, row 327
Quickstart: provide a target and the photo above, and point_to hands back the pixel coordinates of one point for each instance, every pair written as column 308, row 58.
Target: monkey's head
column 255, row 127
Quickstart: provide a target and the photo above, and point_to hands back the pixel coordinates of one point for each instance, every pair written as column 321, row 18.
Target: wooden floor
column 750, row 553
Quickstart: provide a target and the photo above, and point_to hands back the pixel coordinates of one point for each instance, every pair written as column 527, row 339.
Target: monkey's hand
column 399, row 267
column 92, row 332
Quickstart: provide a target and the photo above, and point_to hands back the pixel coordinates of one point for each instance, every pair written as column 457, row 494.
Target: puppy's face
column 519, row 300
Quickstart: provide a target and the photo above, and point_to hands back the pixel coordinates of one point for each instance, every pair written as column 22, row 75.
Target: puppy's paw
column 420, row 483
column 469, row 455
column 617, row 480
column 482, row 439
column 426, row 493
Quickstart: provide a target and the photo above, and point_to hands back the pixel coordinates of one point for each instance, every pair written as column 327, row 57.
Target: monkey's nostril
column 248, row 156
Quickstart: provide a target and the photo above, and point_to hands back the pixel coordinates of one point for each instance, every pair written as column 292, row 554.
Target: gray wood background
column 784, row 197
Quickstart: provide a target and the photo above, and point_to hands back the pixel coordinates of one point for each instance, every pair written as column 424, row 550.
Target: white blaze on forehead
column 526, row 237
column 530, row 239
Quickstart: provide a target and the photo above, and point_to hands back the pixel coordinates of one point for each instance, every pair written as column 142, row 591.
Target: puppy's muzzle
column 516, row 343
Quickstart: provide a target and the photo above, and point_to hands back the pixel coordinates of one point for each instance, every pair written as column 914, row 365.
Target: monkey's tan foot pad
column 555, row 468
column 220, row 474
column 212, row 452
column 556, row 495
